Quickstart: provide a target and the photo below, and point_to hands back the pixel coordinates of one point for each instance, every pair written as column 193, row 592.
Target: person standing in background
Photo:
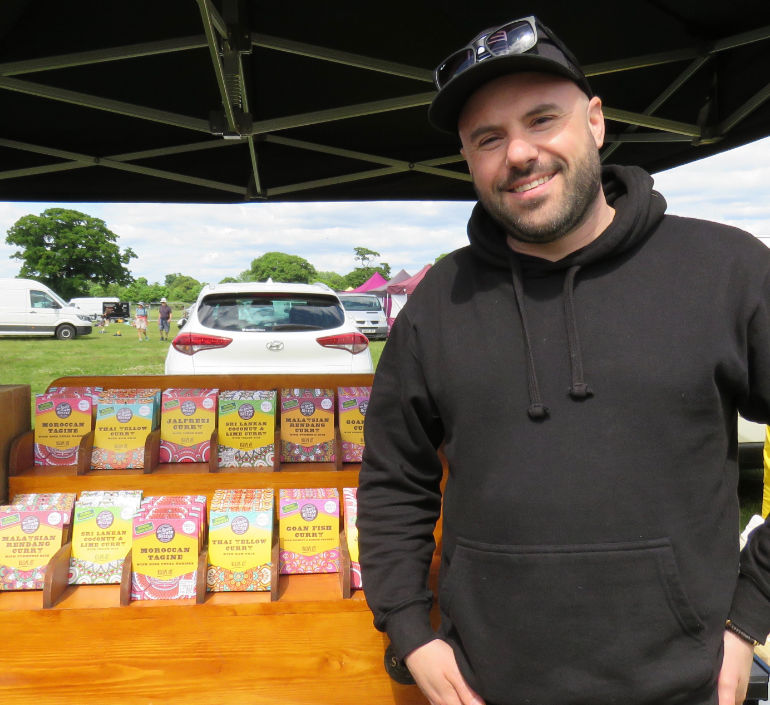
column 140, row 321
column 164, row 319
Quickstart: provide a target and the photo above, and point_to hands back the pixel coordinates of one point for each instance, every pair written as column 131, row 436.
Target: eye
column 543, row 120
column 488, row 141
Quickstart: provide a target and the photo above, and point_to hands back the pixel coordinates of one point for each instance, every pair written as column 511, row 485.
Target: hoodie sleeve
column 399, row 495
column 751, row 602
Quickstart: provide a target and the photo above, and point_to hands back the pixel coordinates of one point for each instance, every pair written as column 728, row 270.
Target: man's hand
column 434, row 668
column 736, row 666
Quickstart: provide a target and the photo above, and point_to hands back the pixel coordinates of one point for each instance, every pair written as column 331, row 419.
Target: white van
column 28, row 307
column 92, row 306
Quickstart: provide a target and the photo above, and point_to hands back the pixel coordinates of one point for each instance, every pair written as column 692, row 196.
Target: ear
column 596, row 120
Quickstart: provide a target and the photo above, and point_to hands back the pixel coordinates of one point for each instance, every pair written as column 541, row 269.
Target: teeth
column 532, row 184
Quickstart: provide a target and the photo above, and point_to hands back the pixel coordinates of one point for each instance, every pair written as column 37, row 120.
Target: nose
column 520, row 153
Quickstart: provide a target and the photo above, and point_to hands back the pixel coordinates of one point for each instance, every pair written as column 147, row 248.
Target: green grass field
column 39, row 361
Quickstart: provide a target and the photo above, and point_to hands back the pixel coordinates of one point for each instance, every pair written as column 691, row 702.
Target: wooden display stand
column 310, row 641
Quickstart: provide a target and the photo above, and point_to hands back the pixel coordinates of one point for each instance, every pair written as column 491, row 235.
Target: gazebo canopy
column 372, row 282
column 242, row 100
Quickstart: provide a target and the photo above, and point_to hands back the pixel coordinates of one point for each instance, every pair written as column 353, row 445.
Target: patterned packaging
column 352, row 403
column 124, row 419
column 240, row 540
column 101, row 536
column 309, row 534
column 29, row 537
column 307, row 425
column 62, row 418
column 188, row 417
column 246, row 428
column 167, row 534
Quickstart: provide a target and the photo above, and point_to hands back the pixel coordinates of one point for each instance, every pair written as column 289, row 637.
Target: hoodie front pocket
column 606, row 623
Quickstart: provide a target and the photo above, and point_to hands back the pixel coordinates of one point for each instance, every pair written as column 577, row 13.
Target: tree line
column 77, row 255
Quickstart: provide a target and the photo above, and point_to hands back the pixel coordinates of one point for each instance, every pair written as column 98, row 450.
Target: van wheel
column 65, row 332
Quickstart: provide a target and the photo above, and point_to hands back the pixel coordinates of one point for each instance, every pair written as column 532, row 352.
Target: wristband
column 730, row 626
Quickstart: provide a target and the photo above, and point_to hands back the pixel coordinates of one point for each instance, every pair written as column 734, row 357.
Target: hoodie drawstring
column 579, row 389
column 537, row 410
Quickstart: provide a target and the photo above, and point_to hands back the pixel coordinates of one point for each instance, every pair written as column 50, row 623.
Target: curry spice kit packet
column 307, row 426
column 240, row 540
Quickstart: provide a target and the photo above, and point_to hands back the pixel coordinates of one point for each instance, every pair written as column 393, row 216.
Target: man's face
column 531, row 142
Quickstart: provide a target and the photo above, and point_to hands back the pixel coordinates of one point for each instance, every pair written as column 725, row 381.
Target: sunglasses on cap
column 514, row 37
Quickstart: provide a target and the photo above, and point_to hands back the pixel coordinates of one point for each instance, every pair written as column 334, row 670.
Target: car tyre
column 65, row 332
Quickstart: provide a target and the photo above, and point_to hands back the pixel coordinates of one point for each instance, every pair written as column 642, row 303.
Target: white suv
column 270, row 328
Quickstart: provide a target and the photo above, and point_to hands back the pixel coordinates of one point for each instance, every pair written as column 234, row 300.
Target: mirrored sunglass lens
column 457, row 63
column 514, row 38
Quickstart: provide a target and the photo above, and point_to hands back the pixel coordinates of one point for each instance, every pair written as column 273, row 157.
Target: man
column 582, row 363
column 164, row 318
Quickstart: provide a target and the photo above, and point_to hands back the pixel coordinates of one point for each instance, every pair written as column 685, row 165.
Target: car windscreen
column 267, row 312
column 361, row 303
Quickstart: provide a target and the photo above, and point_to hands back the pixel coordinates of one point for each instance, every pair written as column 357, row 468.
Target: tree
column 361, row 274
column 183, row 288
column 141, row 290
column 280, row 267
column 68, row 250
column 332, row 279
column 364, row 256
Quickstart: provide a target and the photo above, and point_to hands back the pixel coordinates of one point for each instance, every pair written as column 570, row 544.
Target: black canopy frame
column 242, row 100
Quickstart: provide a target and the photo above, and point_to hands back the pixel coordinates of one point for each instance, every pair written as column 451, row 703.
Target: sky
column 210, row 242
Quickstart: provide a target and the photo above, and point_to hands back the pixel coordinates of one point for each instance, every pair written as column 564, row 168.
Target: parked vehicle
column 92, row 306
column 28, row 307
column 268, row 328
column 365, row 312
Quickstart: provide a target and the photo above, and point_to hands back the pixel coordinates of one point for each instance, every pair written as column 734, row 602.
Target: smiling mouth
column 532, row 184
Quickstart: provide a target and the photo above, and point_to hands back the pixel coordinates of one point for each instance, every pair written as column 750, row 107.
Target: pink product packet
column 28, row 540
column 62, row 418
column 164, row 557
column 188, row 417
column 308, row 530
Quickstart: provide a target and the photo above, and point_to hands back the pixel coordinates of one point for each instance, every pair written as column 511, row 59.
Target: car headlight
column 84, row 318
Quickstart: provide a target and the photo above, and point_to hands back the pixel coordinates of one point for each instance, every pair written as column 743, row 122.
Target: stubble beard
column 531, row 223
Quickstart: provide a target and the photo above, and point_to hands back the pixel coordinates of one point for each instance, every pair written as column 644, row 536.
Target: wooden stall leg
column 200, row 577
column 21, row 455
column 125, row 581
column 56, row 576
column 152, row 451
column 274, row 574
column 344, row 565
column 85, row 449
column 214, row 451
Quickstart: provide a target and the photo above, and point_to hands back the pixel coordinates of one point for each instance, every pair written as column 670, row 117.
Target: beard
column 539, row 222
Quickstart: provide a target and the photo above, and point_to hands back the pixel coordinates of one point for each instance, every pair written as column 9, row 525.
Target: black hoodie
column 587, row 410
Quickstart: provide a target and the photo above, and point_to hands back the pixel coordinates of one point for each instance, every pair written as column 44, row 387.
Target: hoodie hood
column 638, row 209
column 628, row 189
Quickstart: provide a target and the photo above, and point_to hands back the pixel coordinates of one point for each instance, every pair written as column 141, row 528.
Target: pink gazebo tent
column 397, row 293
column 382, row 289
column 373, row 282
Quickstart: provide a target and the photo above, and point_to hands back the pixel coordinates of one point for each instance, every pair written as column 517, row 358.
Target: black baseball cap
column 520, row 45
